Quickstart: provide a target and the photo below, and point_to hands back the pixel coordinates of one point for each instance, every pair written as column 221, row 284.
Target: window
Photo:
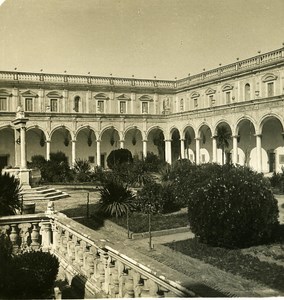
column 247, row 92
column 100, row 107
column 29, row 104
column 122, row 107
column 195, row 102
column 145, row 108
column 211, row 100
column 53, row 105
column 76, row 103
column 181, row 104
column 270, row 89
column 3, row 103
column 228, row 97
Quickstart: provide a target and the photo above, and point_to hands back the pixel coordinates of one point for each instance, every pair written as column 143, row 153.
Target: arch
column 6, row 126
column 153, row 128
column 146, row 98
column 5, row 93
column 131, row 127
column 108, row 127
column 267, row 117
column 199, row 128
column 83, row 127
column 247, row 92
column 58, row 127
column 123, row 97
column 101, row 96
column 227, row 87
column 240, row 120
column 54, row 94
column 268, row 77
column 219, row 123
column 77, row 100
column 172, row 129
column 35, row 126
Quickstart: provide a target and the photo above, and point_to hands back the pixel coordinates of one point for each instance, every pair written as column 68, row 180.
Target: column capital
column 168, row 140
column 214, row 136
column 258, row 135
column 98, row 141
column 145, row 141
column 197, row 139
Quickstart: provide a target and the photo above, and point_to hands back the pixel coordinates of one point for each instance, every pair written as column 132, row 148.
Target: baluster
column 14, row 238
column 95, row 277
column 145, row 291
column 129, row 288
column 63, row 244
column 35, row 237
column 114, row 285
column 24, row 234
column 153, row 288
column 71, row 248
column 88, row 261
column 137, row 283
column 58, row 237
column 80, row 254
column 45, row 230
column 4, row 229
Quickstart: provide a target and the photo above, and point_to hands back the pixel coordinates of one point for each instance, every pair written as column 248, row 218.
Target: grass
column 138, row 222
column 246, row 265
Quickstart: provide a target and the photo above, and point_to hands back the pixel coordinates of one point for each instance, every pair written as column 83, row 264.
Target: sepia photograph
column 141, row 149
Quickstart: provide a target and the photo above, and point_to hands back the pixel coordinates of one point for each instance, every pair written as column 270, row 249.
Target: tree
column 223, row 137
column 9, row 195
column 149, row 201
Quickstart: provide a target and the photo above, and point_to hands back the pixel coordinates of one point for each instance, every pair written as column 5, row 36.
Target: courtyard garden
column 231, row 210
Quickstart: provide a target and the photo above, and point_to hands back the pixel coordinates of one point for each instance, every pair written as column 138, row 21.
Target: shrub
column 82, row 170
column 170, row 202
column 116, row 199
column 134, row 174
column 153, row 162
column 34, row 274
column 232, row 207
column 119, row 156
column 38, row 161
column 149, row 198
column 5, row 260
column 57, row 168
column 9, row 195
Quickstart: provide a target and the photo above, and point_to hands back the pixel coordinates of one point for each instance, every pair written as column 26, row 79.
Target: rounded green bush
column 119, row 156
column 233, row 208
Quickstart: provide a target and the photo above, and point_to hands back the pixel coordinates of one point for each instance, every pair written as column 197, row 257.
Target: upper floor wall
column 258, row 77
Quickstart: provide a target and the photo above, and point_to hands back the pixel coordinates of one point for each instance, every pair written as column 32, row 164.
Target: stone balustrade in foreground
column 99, row 269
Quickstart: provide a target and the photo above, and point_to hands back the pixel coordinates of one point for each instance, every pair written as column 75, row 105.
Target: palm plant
column 116, row 199
column 9, row 195
column 223, row 137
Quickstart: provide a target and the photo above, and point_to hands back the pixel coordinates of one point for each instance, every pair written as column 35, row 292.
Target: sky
column 144, row 38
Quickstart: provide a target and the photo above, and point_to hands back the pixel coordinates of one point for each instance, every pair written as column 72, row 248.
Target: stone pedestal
column 22, row 174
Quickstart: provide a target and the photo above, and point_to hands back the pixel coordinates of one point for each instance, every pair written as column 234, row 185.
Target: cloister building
column 87, row 117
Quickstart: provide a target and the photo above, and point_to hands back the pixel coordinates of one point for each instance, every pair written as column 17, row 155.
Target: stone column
column 144, row 148
column 121, row 143
column 258, row 152
column 48, row 150
column 197, row 158
column 168, row 150
column 235, row 149
column 182, row 148
column 73, row 159
column 98, row 153
column 214, row 149
column 23, row 148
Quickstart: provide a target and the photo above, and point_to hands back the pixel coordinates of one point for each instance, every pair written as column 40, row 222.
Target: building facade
column 87, row 117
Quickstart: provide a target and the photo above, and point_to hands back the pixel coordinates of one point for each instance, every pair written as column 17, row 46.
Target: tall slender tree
column 223, row 138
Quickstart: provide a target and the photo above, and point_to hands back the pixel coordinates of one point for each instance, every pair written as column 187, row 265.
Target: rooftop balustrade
column 258, row 61
column 101, row 269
